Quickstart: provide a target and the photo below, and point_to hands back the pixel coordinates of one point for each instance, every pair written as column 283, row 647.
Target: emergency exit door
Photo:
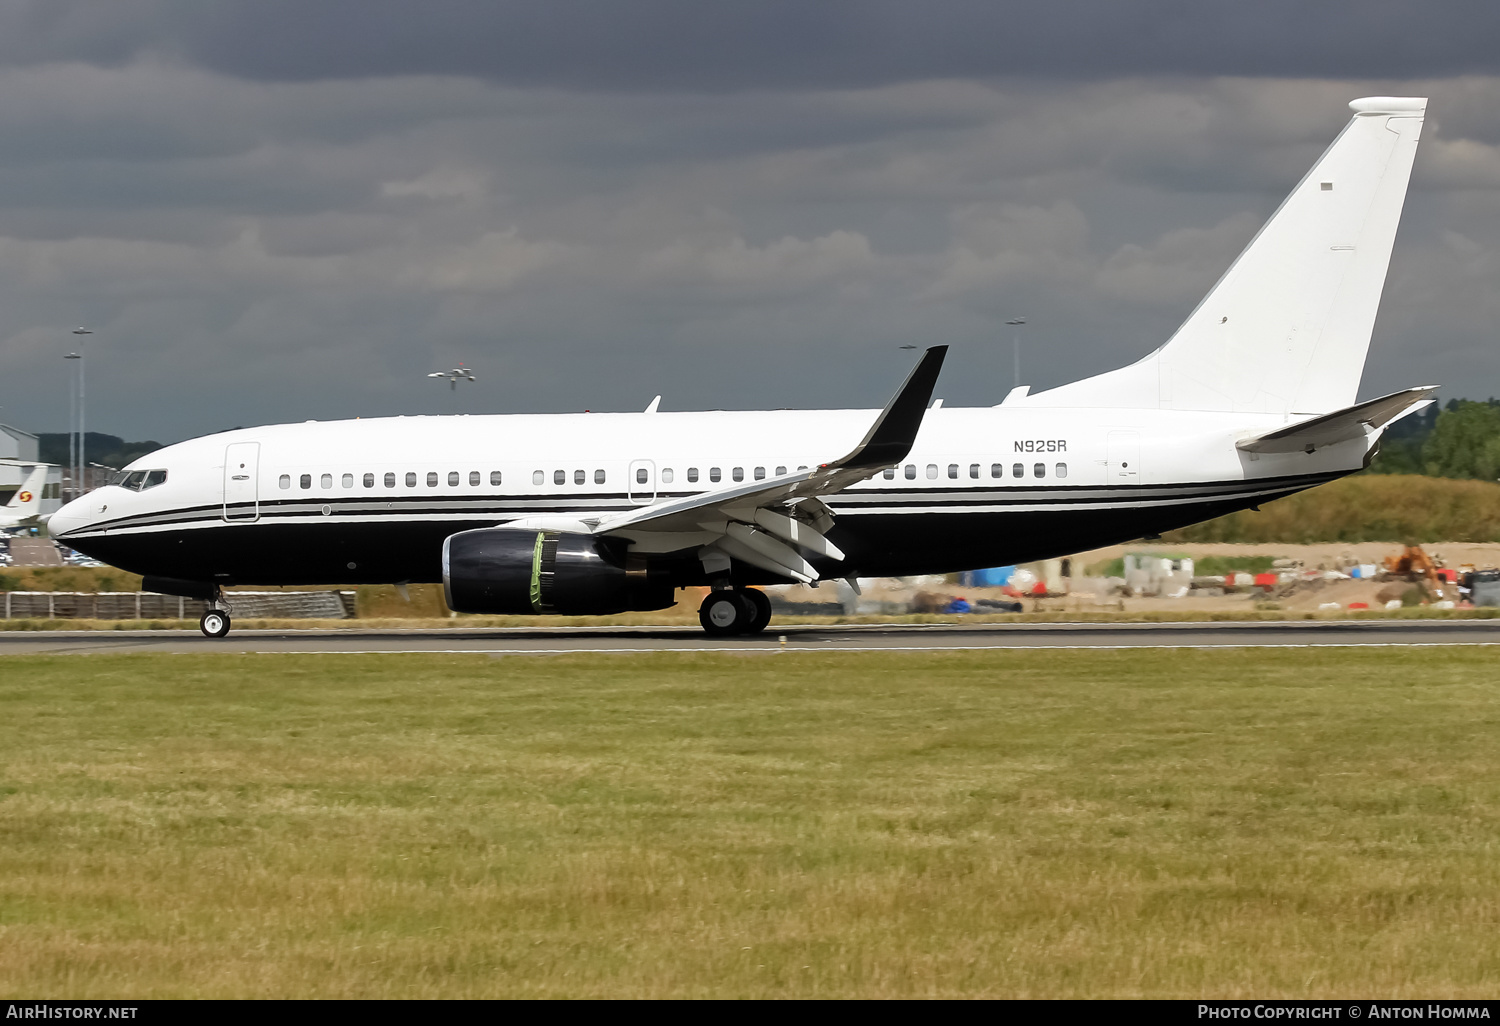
column 241, row 477
column 642, row 482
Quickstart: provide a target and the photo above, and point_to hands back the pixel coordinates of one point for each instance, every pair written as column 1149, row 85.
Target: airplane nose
column 70, row 517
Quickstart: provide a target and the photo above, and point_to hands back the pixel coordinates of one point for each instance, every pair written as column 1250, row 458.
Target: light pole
column 454, row 376
column 82, row 465
column 73, row 429
column 1016, row 322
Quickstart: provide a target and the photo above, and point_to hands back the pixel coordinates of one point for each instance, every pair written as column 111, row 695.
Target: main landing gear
column 740, row 611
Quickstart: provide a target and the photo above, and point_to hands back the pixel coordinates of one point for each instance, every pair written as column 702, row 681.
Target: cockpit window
column 140, row 480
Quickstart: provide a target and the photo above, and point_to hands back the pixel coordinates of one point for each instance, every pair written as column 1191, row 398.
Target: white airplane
column 25, row 507
column 1253, row 398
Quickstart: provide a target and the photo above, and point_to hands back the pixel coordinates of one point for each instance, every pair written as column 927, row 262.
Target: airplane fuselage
column 368, row 501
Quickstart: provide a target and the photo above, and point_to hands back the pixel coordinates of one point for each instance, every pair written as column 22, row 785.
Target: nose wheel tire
column 215, row 623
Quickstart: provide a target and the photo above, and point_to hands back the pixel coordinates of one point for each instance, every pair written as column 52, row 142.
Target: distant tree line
column 1459, row 440
column 110, row 450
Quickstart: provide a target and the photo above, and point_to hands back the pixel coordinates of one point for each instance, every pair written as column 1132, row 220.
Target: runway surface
column 852, row 638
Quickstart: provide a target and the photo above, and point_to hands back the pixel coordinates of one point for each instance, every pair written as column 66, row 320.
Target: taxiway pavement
column 800, row 638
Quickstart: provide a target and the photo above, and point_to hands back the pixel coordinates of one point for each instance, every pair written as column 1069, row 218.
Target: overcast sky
column 292, row 209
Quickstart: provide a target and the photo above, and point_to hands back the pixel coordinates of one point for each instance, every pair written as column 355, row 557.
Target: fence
column 148, row 605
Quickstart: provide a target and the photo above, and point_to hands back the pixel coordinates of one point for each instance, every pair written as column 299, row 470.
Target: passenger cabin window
column 692, row 475
column 559, row 477
column 1040, row 470
column 760, row 473
column 911, row 471
column 932, row 471
column 598, row 477
column 997, row 470
column 953, row 471
column 348, row 481
column 305, row 481
column 580, row 476
column 326, row 481
column 390, row 480
column 369, row 481
column 974, row 471
column 738, row 473
column 432, row 479
column 411, row 479
column 452, row 479
column 780, row 471
column 640, row 475
column 1061, row 470
column 538, row 477
column 666, row 475
column 494, row 478
column 889, row 473
column 285, row 480
column 474, row 479
column 714, row 474
column 1018, row 470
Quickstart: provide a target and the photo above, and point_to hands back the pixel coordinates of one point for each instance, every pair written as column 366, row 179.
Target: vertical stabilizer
column 1287, row 327
column 27, row 501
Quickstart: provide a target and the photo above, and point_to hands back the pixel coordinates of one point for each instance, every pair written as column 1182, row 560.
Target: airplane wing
column 1341, row 425
column 771, row 523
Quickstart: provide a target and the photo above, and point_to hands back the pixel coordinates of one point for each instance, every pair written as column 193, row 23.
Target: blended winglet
column 894, row 432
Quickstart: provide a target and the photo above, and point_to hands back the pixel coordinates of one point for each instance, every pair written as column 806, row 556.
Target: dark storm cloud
column 782, row 44
column 275, row 211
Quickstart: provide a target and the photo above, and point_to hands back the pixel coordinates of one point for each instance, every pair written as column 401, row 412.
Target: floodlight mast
column 454, row 376
column 82, row 412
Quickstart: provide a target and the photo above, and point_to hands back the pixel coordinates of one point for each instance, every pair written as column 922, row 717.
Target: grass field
column 1317, row 822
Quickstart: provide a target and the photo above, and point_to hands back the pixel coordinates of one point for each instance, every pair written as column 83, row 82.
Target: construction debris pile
column 1410, row 577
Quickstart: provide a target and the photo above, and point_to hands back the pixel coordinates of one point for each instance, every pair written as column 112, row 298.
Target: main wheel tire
column 726, row 613
column 762, row 607
column 215, row 623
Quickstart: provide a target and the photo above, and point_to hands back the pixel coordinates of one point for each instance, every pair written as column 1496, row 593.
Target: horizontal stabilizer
column 1340, row 426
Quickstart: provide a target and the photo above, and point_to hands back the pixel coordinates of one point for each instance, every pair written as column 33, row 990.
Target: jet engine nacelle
column 507, row 570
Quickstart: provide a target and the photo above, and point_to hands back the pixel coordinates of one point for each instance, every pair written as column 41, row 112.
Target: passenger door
column 241, row 476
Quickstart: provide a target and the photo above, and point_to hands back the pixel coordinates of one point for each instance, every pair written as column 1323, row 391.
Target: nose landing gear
column 741, row 611
column 214, row 624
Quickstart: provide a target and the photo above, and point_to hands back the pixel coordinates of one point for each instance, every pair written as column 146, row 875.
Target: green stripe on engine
column 536, row 574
